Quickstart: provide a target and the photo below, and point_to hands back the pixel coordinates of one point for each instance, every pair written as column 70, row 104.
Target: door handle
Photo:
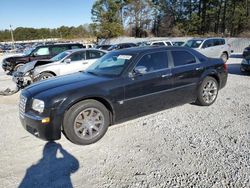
column 166, row 75
column 84, row 63
column 199, row 68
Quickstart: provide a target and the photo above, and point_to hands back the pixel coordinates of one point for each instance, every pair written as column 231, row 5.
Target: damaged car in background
column 67, row 62
column 11, row 64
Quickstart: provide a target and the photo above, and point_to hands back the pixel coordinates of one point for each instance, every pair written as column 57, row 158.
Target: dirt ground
column 187, row 146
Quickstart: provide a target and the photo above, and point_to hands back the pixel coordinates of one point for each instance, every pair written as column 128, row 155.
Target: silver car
column 211, row 47
column 67, row 62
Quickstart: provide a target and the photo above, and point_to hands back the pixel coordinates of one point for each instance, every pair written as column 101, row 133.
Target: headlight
column 38, row 105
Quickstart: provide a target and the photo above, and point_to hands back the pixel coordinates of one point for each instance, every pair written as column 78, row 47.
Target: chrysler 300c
column 121, row 85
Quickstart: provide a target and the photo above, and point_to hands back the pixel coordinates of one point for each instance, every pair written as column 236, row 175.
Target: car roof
column 58, row 44
column 145, row 49
column 207, row 38
column 84, row 49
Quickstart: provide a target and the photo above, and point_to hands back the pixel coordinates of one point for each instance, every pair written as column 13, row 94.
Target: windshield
column 28, row 51
column 193, row 43
column 60, row 56
column 111, row 64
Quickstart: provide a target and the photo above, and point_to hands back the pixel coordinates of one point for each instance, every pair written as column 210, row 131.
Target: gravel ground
column 187, row 146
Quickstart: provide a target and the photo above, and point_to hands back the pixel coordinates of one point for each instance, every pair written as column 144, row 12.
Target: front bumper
column 45, row 131
column 6, row 66
column 22, row 80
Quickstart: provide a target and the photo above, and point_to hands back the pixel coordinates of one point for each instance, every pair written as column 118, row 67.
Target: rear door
column 91, row 57
column 148, row 92
column 207, row 48
column 187, row 71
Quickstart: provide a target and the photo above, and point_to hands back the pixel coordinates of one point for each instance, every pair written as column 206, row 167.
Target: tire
column 44, row 76
column 224, row 57
column 78, row 123
column 207, row 92
column 17, row 66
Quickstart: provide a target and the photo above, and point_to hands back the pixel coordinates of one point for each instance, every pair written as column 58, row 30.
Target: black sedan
column 122, row 85
column 245, row 65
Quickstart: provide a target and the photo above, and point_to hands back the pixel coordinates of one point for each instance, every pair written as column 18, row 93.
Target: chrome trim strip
column 167, row 90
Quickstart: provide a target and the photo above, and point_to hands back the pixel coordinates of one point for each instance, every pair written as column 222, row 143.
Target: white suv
column 161, row 43
column 211, row 47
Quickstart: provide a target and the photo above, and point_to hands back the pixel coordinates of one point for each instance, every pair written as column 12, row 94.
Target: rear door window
column 182, row 58
column 58, row 49
column 76, row 47
column 154, row 61
column 208, row 43
column 92, row 54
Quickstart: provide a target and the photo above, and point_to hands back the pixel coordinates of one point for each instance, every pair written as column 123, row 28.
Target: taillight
column 225, row 66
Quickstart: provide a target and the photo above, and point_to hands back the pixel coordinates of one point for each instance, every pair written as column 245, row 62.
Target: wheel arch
column 213, row 74
column 100, row 99
column 48, row 71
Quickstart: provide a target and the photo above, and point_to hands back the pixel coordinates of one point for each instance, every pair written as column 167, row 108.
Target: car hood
column 31, row 65
column 62, row 84
column 16, row 57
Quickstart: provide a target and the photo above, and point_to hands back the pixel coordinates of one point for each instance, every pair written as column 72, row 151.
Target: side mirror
column 35, row 54
column 138, row 71
column 67, row 61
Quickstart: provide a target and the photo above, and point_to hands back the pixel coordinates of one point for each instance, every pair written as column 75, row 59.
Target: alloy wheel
column 88, row 123
column 210, row 91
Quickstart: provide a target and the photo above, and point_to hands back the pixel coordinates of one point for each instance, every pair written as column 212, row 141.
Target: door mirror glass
column 67, row 60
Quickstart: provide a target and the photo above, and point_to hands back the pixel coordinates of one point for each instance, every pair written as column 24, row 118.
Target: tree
column 107, row 19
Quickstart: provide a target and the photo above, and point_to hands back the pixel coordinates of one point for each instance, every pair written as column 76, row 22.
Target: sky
column 44, row 13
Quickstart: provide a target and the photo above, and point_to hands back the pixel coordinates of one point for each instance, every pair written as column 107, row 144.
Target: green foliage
column 106, row 15
column 22, row 33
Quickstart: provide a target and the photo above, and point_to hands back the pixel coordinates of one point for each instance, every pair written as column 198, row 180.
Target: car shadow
column 52, row 170
column 235, row 69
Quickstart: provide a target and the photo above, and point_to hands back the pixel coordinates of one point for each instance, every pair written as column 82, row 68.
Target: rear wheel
column 207, row 92
column 224, row 57
column 86, row 122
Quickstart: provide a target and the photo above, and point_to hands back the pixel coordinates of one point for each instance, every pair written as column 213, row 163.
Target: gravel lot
column 187, row 146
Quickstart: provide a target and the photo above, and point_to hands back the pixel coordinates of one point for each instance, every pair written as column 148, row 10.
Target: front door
column 74, row 63
column 40, row 53
column 147, row 92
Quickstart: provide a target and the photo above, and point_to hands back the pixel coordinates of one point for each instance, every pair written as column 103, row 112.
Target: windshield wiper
column 93, row 73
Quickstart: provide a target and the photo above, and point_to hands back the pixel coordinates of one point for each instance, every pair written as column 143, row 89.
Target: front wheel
column 207, row 92
column 86, row 122
column 44, row 76
column 17, row 67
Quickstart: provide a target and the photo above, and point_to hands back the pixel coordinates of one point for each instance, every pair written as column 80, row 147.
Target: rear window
column 183, row 58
